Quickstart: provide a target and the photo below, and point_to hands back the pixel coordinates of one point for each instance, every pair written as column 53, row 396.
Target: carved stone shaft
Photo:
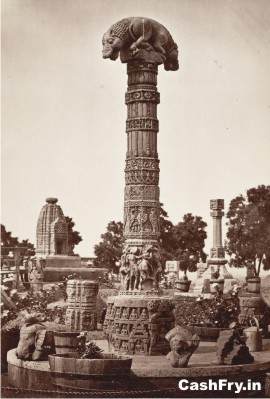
column 217, row 251
column 141, row 210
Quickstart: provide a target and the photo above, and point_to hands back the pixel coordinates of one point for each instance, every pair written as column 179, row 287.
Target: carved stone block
column 144, row 332
column 81, row 309
column 182, row 343
column 217, row 204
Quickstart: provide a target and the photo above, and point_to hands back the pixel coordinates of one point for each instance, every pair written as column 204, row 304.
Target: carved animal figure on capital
column 137, row 33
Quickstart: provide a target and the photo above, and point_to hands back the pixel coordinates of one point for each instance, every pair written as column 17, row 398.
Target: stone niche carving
column 141, row 219
column 138, row 325
column 135, row 36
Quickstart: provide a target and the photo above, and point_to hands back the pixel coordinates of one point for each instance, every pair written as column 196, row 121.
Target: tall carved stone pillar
column 217, row 259
column 138, row 319
column 141, row 209
column 217, row 251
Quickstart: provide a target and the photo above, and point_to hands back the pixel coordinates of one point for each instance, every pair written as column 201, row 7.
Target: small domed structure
column 52, row 230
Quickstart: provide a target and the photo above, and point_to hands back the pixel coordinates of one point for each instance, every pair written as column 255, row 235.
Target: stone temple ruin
column 53, row 246
column 138, row 318
column 52, row 230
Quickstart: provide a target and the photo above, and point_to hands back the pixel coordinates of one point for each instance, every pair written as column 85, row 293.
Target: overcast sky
column 63, row 127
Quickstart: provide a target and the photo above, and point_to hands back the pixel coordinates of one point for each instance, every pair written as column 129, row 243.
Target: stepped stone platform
column 153, row 372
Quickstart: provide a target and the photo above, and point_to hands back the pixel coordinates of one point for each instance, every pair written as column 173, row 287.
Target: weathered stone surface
column 231, row 349
column 140, row 263
column 82, row 301
column 182, row 343
column 217, row 253
column 265, row 290
column 31, row 374
column 35, row 267
column 33, row 339
column 141, row 39
column 254, row 338
column 143, row 44
column 138, row 324
column 52, row 230
column 251, row 305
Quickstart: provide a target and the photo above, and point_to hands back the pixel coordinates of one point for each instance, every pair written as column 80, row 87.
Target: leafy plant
column 219, row 311
column 189, row 236
column 88, row 349
column 34, row 302
column 74, row 237
column 109, row 250
column 249, row 230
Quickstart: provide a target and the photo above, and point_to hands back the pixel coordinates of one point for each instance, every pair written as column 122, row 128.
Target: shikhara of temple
column 138, row 319
column 52, row 230
column 143, row 44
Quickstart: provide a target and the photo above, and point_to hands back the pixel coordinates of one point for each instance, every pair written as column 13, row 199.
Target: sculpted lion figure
column 183, row 343
column 137, row 33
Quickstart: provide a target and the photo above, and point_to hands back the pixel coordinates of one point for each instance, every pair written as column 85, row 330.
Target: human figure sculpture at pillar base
column 140, row 269
column 141, row 39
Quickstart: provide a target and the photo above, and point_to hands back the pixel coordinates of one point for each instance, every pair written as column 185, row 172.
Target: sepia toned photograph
column 135, row 199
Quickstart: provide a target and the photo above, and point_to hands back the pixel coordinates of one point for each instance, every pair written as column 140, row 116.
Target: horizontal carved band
column 141, row 66
column 217, row 214
column 140, row 203
column 142, row 124
column 141, row 219
column 142, row 163
column 142, row 95
column 143, row 236
column 141, row 192
column 142, row 177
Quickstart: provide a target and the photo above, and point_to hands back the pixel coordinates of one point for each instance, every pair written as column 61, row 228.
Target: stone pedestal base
column 136, row 324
